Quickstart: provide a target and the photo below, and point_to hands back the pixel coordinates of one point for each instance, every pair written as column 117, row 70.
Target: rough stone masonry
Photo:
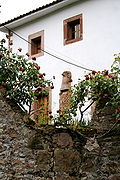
column 51, row 153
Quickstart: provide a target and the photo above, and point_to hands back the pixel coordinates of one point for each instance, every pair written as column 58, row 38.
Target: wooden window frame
column 31, row 38
column 68, row 24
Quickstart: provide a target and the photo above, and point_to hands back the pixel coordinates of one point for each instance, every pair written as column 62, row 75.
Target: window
column 36, row 44
column 73, row 29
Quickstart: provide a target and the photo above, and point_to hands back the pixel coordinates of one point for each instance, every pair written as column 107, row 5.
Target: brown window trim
column 66, row 23
column 35, row 36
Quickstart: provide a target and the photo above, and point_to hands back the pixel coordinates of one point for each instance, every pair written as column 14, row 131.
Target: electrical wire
column 64, row 56
column 50, row 54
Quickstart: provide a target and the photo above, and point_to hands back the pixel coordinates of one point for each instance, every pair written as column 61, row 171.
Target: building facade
column 68, row 35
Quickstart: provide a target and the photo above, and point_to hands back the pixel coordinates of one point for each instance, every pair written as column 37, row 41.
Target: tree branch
column 88, row 107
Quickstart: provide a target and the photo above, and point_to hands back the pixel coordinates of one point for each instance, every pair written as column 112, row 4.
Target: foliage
column 100, row 87
column 20, row 77
column 24, row 84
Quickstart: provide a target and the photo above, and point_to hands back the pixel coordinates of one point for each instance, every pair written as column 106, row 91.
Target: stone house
column 67, row 35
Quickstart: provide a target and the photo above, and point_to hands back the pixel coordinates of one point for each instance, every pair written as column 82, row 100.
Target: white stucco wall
column 100, row 42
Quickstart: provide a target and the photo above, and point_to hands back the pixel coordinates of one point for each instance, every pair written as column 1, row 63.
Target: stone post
column 65, row 94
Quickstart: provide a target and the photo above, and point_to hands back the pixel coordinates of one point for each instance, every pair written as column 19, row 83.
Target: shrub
column 20, row 77
column 100, row 87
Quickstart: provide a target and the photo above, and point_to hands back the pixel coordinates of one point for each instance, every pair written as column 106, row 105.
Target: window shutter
column 41, row 116
column 42, row 107
column 65, row 32
column 81, row 27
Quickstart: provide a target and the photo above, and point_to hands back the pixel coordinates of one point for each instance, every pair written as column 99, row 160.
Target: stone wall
column 53, row 153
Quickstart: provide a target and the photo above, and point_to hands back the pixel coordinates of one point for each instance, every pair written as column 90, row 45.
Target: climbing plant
column 20, row 77
column 98, row 88
column 103, row 88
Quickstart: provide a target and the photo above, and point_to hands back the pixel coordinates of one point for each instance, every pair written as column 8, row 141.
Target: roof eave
column 34, row 15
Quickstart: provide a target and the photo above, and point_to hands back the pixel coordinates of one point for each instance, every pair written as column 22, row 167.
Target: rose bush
column 20, row 77
column 100, row 87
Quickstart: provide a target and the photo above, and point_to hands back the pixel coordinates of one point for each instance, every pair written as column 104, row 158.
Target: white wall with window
column 100, row 40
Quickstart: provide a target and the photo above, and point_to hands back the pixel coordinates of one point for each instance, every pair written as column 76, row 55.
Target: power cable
column 63, row 55
column 50, row 54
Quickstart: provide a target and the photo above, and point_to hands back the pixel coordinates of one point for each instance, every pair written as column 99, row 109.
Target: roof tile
column 32, row 12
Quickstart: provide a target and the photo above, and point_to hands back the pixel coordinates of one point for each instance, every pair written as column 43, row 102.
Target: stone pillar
column 65, row 94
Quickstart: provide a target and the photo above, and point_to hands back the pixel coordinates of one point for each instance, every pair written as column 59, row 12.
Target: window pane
column 36, row 45
column 73, row 29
